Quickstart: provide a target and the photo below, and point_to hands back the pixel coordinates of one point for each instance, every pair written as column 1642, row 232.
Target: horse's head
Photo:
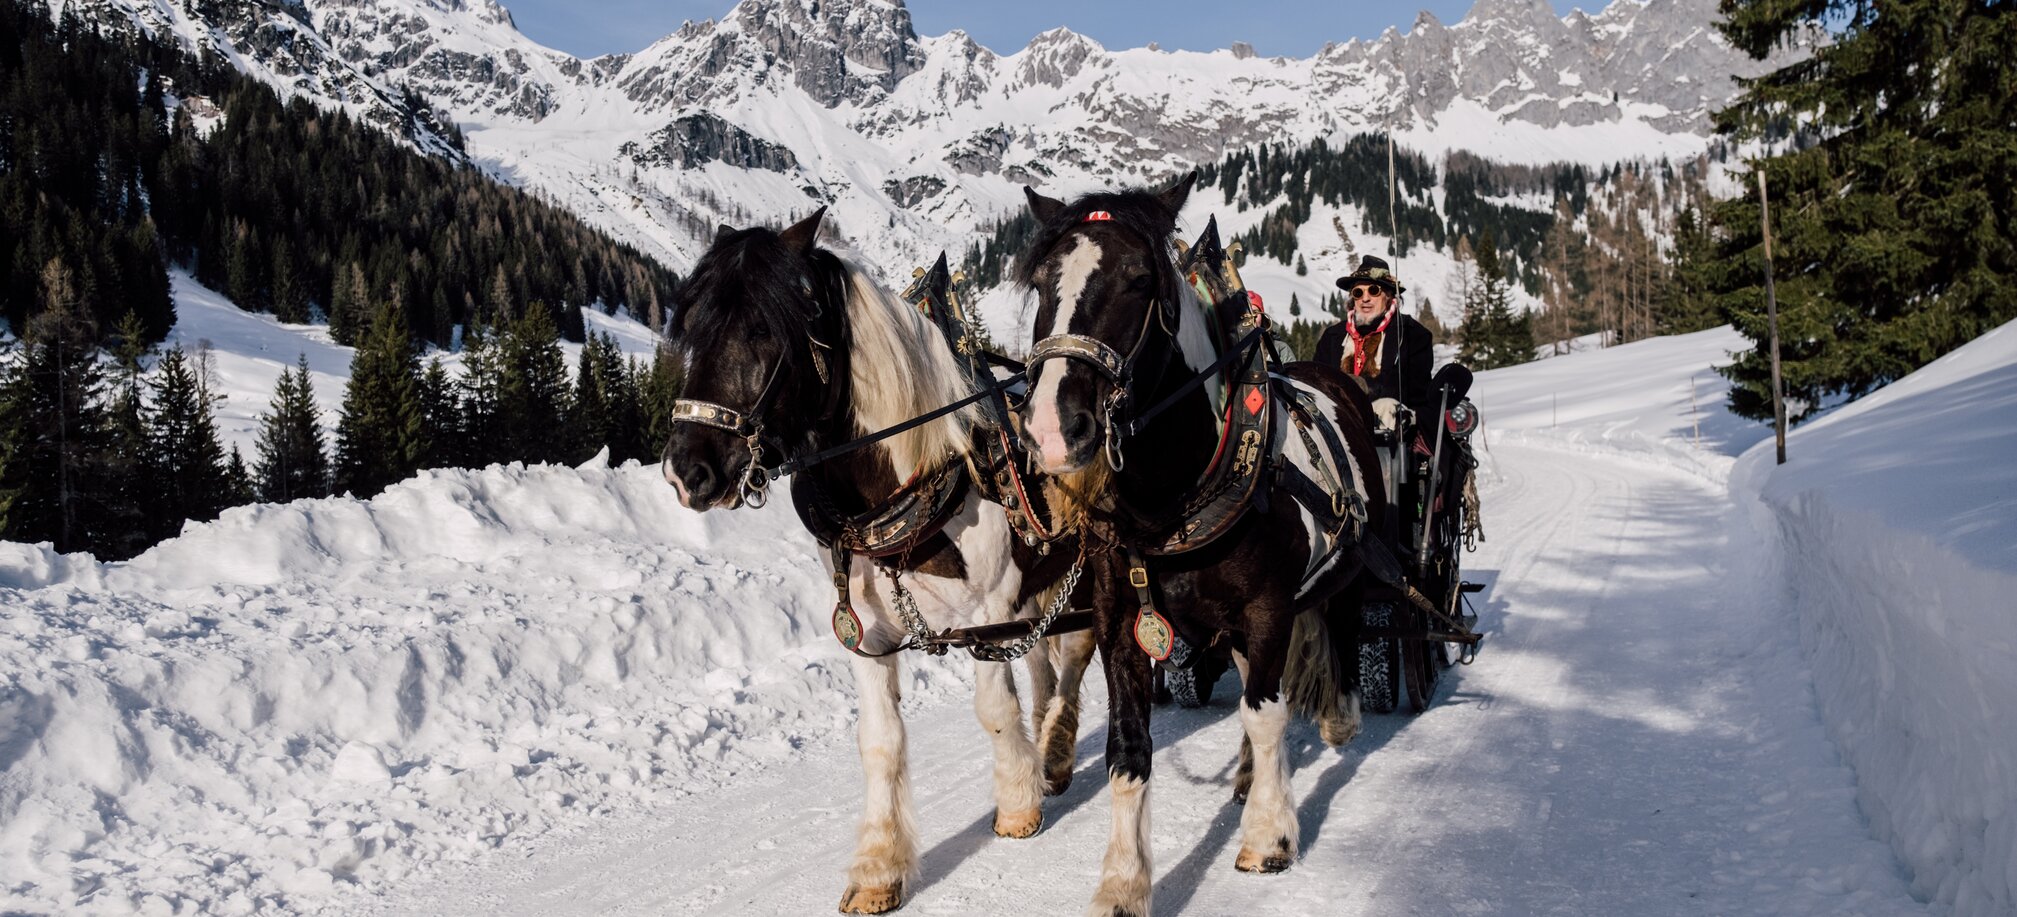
column 757, row 324
column 1107, row 294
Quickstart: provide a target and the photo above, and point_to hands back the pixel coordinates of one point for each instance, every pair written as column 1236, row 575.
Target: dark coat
column 1406, row 346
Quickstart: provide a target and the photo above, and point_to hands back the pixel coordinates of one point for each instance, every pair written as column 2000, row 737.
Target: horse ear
column 1041, row 207
column 1175, row 196
column 802, row 234
column 723, row 231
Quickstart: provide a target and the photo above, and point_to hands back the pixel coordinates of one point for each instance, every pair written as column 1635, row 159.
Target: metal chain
column 1021, row 647
column 913, row 620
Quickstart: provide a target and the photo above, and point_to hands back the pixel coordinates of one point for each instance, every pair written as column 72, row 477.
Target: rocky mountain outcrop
column 921, row 140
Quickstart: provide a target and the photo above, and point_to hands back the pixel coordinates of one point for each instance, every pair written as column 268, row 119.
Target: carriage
column 1411, row 632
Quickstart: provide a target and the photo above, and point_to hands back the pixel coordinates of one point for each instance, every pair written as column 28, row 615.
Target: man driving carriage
column 1376, row 342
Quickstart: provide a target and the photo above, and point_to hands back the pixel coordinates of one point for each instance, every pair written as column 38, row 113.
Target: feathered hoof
column 881, row 900
column 1274, row 861
column 1057, row 781
column 1018, row 824
column 1107, row 909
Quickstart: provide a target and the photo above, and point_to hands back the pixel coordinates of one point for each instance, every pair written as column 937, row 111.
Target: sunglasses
column 1366, row 292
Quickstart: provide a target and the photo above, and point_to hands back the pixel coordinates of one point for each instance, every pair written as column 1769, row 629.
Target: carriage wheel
column 1422, row 672
column 1189, row 687
column 1379, row 663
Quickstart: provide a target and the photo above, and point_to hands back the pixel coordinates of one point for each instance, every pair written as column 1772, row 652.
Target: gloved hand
column 1385, row 409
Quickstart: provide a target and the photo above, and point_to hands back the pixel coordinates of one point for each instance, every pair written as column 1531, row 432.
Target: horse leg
column 1343, row 622
column 1243, row 776
column 1060, row 732
column 1043, row 682
column 1018, row 778
column 885, row 853
column 1126, row 875
column 1268, row 829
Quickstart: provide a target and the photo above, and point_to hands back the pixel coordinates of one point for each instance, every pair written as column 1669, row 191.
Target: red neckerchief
column 1359, row 340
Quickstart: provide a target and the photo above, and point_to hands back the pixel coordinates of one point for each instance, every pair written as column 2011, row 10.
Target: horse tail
column 1320, row 679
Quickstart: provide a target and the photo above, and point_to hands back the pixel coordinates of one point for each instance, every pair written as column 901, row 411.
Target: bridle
column 753, row 489
column 1119, row 371
column 748, row 425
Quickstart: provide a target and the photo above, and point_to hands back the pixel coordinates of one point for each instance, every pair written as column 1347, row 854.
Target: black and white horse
column 810, row 352
column 1106, row 281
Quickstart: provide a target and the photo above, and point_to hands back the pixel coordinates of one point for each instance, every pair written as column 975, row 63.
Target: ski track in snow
column 1638, row 736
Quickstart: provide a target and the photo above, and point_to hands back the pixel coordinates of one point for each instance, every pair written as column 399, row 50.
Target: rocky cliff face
column 918, row 142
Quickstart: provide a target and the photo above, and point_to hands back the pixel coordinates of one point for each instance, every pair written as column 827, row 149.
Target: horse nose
column 1078, row 426
column 698, row 484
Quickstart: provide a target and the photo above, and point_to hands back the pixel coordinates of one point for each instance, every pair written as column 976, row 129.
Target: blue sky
column 1296, row 28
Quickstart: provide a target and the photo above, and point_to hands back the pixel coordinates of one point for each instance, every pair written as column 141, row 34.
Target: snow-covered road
column 1639, row 736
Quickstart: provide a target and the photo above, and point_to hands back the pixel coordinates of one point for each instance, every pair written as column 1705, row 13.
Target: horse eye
column 760, row 333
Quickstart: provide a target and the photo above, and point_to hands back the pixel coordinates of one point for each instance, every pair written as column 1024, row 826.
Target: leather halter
column 747, row 425
column 1117, row 370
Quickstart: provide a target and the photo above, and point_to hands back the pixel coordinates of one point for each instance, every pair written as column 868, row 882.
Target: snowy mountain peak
column 1053, row 58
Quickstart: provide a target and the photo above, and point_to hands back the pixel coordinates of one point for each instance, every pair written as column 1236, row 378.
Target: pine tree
column 441, row 417
column 482, row 398
column 661, row 387
column 290, row 289
column 349, row 304
column 238, row 480
column 1685, row 302
column 291, row 459
column 1492, row 336
column 533, row 392
column 188, row 464
column 128, row 475
column 1426, row 314
column 53, row 436
column 1892, row 237
column 592, row 411
column 377, row 439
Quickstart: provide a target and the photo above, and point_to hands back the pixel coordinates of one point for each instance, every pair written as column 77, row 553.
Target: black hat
column 1374, row 271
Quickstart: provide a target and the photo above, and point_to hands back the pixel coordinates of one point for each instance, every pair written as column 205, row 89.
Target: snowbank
column 332, row 694
column 1897, row 520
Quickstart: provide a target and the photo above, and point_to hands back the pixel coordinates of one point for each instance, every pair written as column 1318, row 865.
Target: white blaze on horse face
column 1074, row 270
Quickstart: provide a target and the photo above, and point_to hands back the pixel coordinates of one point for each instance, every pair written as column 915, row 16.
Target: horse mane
column 901, row 368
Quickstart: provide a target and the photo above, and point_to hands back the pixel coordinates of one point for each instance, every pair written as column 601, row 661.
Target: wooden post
column 1772, row 314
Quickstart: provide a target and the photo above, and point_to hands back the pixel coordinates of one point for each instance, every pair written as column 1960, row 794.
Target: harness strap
column 1239, row 351
column 800, row 464
column 1152, row 631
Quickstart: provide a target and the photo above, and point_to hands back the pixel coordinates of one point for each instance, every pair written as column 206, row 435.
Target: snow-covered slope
column 249, row 350
column 1897, row 521
column 920, row 142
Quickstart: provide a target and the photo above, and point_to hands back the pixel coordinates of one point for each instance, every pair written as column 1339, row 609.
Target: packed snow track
column 1639, row 736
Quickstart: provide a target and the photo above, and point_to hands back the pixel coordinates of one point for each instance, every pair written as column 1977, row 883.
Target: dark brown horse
column 1118, row 329
column 790, row 350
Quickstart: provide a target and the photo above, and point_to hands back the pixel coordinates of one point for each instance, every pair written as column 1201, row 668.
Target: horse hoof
column 1239, row 797
column 1278, row 861
column 1056, row 784
column 880, row 900
column 1338, row 732
column 1018, row 824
